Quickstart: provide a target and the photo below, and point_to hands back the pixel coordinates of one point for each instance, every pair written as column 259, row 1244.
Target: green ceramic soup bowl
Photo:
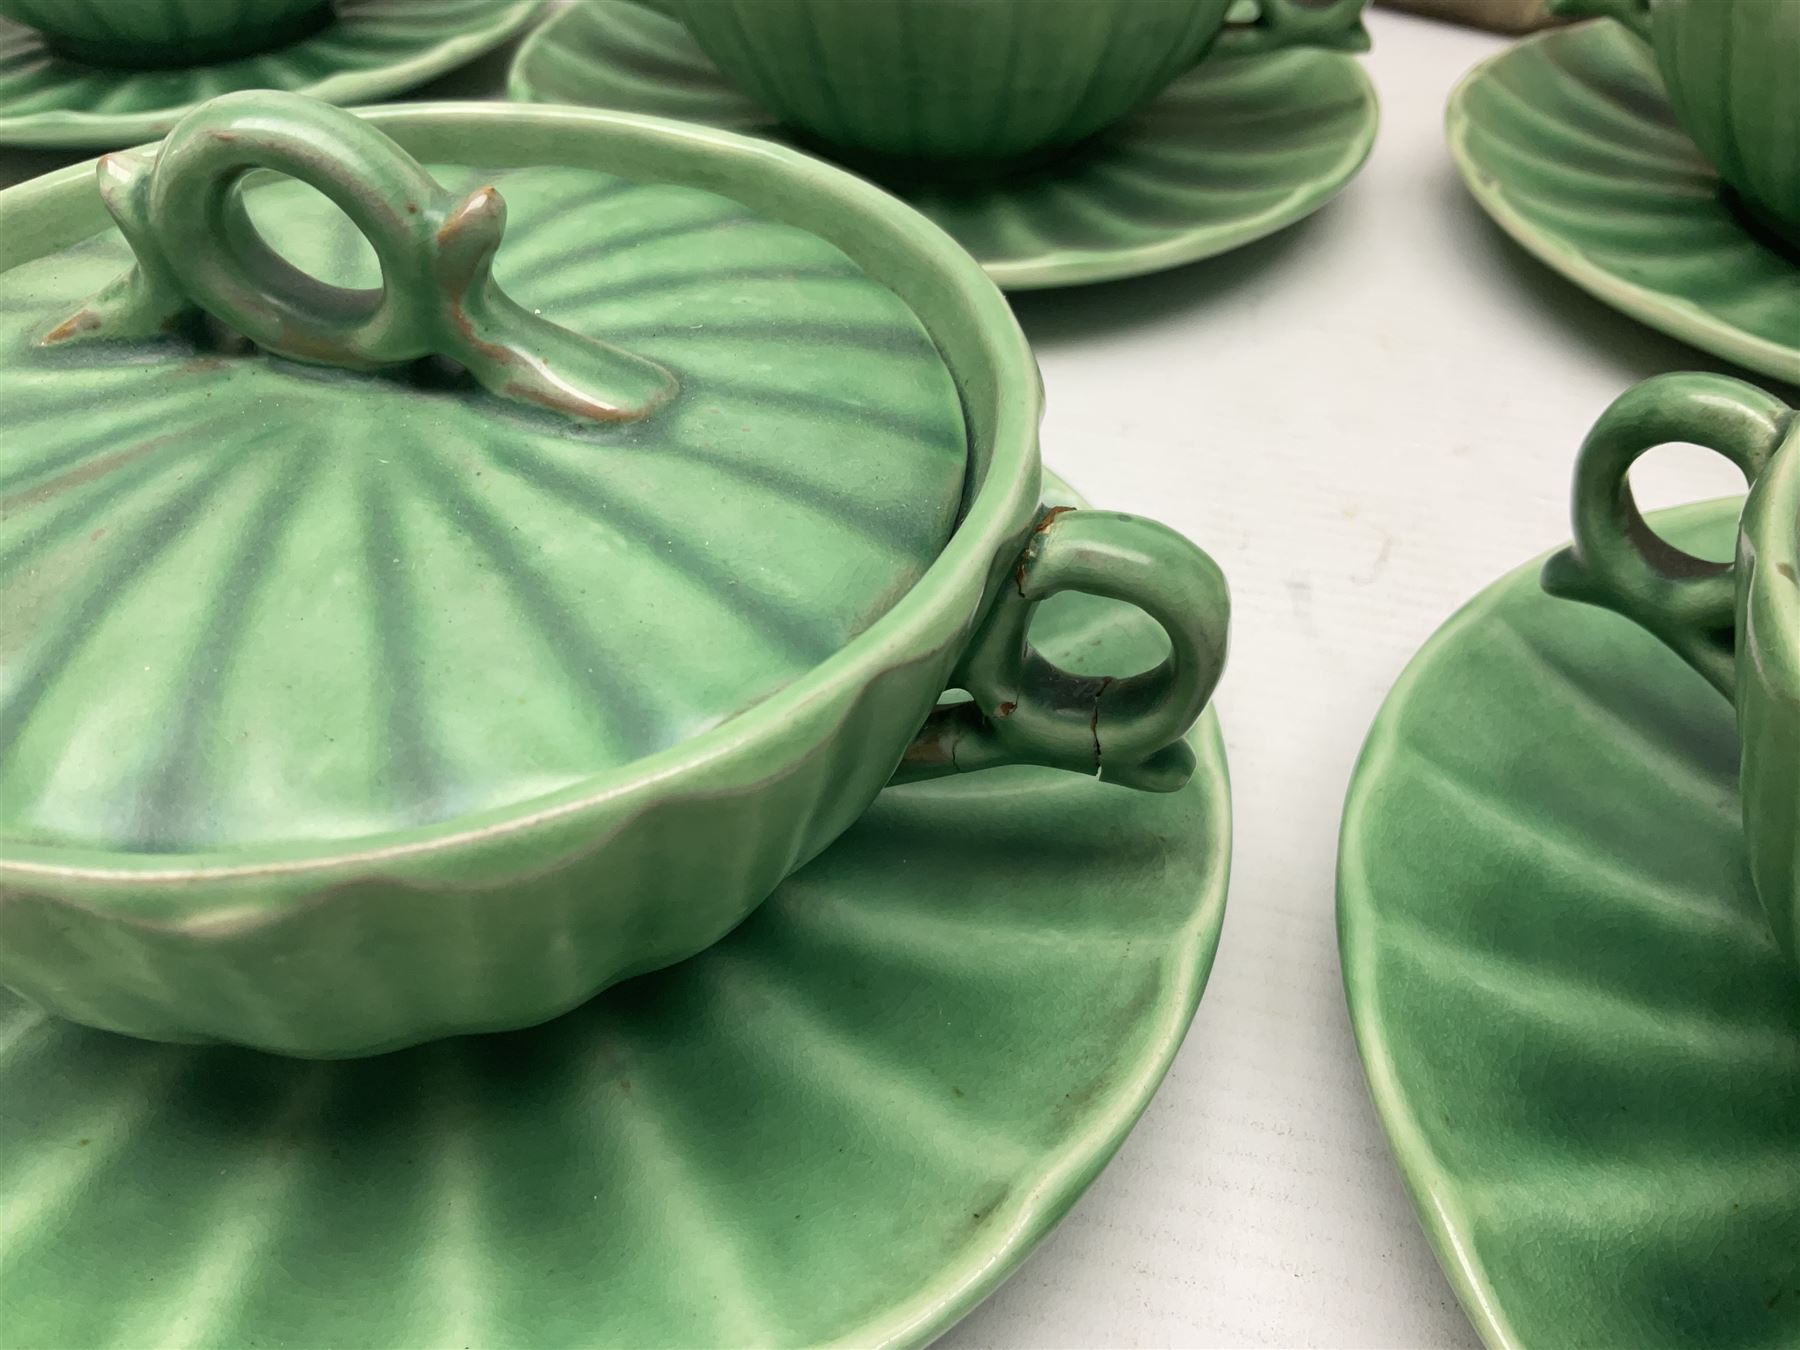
column 1736, row 623
column 1732, row 71
column 928, row 81
column 142, row 34
column 391, row 661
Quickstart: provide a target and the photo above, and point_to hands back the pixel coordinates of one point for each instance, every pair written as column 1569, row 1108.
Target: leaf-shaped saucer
column 1580, row 1035
column 1568, row 141
column 846, row 1123
column 372, row 49
column 1228, row 154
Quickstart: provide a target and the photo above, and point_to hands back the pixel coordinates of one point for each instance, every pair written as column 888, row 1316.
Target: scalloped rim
column 970, row 1274
column 1431, row 1183
column 66, row 130
column 1668, row 314
column 935, row 612
column 937, row 1307
column 1081, row 267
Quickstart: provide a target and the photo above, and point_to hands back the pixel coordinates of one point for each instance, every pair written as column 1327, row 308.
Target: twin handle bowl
column 345, row 946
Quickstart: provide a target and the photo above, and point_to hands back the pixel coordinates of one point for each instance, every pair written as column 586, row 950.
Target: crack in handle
column 1024, row 709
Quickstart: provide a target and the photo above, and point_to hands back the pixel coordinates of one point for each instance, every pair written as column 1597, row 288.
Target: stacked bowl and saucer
column 1061, row 142
column 1648, row 156
column 570, row 776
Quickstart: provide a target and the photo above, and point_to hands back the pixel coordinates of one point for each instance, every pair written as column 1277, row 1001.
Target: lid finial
column 180, row 207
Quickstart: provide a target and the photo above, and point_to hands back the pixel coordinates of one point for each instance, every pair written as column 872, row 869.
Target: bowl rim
column 962, row 311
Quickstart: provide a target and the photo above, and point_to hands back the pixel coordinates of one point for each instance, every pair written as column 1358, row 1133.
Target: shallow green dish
column 1579, row 1032
column 1226, row 155
column 846, row 1123
column 1568, row 141
column 373, row 49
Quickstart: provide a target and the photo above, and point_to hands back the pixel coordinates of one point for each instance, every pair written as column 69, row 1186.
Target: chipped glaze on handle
column 1126, row 728
column 1617, row 561
column 180, row 206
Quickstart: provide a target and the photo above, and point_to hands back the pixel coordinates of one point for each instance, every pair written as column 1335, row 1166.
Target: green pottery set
column 580, row 571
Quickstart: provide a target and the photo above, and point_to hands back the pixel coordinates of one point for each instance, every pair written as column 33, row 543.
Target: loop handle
column 1024, row 709
column 1617, row 561
column 181, row 208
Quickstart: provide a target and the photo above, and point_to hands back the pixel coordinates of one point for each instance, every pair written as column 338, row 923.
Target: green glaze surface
column 1738, row 624
column 1581, row 1038
column 388, row 709
column 924, row 81
column 1227, row 154
column 312, row 622
column 1731, row 69
column 141, row 34
column 1568, row 140
column 845, row 1124
column 371, row 49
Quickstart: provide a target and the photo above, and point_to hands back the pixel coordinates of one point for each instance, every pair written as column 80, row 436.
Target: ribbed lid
column 245, row 600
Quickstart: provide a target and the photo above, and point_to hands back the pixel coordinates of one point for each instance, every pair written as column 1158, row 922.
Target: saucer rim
column 1060, row 1173
column 1671, row 315
column 69, row 129
column 1071, row 1170
column 1431, row 1182
column 1088, row 266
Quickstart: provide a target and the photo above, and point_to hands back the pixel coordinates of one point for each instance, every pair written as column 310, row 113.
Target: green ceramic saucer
column 1580, row 1035
column 373, row 49
column 1569, row 143
column 846, row 1122
column 1228, row 154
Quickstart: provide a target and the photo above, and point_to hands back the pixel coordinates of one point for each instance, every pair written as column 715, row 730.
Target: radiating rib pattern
column 252, row 602
column 1580, row 1035
column 1227, row 154
column 1568, row 140
column 373, row 48
column 678, row 1161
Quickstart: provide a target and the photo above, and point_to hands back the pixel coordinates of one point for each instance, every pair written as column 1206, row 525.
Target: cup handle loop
column 1026, row 710
column 1255, row 26
column 1617, row 561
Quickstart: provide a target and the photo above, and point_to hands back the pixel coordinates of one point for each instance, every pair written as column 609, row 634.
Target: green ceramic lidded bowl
column 418, row 643
column 929, row 81
column 1732, row 71
column 1736, row 623
column 147, row 34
